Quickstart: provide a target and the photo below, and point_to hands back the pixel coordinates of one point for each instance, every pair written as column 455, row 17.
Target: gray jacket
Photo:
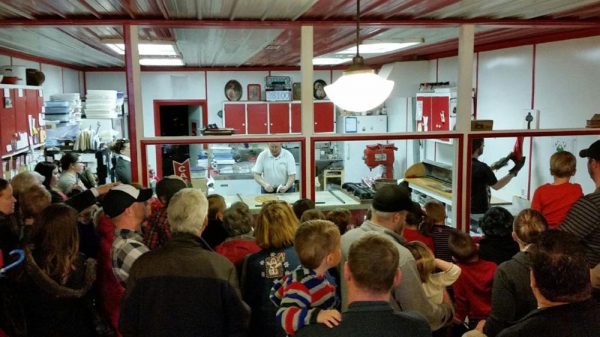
column 409, row 295
column 512, row 297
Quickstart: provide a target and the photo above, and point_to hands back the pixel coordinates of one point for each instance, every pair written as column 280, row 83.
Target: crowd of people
column 114, row 260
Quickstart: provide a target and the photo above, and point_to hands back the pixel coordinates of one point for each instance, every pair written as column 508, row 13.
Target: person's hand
column 518, row 166
column 269, row 188
column 480, row 325
column 282, row 189
column 500, row 163
column 103, row 189
column 329, row 317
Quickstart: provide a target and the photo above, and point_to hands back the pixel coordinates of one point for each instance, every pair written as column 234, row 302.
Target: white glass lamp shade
column 359, row 91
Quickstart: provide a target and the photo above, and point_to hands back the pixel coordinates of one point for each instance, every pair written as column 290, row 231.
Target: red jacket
column 235, row 250
column 414, row 235
column 111, row 291
column 473, row 290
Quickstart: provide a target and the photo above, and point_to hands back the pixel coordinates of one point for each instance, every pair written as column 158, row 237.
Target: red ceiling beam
column 378, row 23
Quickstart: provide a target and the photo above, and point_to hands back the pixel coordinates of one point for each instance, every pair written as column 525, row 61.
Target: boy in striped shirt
column 306, row 296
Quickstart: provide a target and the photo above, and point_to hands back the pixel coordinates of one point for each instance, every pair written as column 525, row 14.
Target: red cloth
column 555, row 201
column 473, row 290
column 414, row 235
column 236, row 250
column 111, row 291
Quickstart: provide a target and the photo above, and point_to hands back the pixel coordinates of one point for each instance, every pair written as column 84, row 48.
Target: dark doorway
column 174, row 120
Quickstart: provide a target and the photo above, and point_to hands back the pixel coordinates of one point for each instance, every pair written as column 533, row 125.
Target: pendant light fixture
column 359, row 89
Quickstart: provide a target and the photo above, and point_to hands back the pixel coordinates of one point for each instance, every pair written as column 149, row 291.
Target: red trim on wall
column 532, row 107
column 157, row 103
column 182, row 69
column 130, row 101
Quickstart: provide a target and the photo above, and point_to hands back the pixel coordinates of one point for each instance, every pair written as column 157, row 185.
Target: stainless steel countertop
column 234, row 176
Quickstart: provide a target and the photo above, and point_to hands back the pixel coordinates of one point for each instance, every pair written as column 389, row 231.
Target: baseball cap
column 591, row 152
column 121, row 197
column 168, row 186
column 392, row 198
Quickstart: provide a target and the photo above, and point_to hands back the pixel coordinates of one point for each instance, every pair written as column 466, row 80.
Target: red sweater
column 236, row 250
column 555, row 201
column 414, row 235
column 473, row 290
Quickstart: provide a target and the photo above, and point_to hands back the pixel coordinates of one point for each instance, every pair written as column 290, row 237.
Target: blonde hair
column 276, row 225
column 528, row 225
column 34, row 200
column 563, row 164
column 424, row 258
column 314, row 240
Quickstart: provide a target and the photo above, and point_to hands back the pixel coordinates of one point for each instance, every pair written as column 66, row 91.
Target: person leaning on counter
column 275, row 170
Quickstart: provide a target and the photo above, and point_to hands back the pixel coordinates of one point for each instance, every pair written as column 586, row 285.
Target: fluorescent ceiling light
column 378, row 47
column 322, row 61
column 147, row 49
column 161, row 62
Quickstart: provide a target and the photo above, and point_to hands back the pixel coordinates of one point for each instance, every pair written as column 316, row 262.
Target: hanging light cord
column 357, row 25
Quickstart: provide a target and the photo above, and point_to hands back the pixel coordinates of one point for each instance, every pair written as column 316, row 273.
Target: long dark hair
column 56, row 242
column 46, row 169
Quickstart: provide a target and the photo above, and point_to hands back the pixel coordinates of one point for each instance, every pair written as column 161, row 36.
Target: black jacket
column 54, row 310
column 183, row 289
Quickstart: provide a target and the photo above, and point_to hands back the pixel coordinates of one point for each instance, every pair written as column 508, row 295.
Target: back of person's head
column 497, row 221
column 237, row 219
column 46, row 169
column 423, row 257
column 24, row 180
column 168, row 186
column 187, row 211
column 435, row 213
column 68, row 159
column 302, row 205
column 560, row 268
column 462, row 246
column 476, row 144
column 216, row 206
column 276, row 225
column 415, row 215
column 33, row 201
column 314, row 240
column 367, row 275
column 563, row 164
column 56, row 241
column 340, row 217
column 528, row 225
column 119, row 145
column 312, row 214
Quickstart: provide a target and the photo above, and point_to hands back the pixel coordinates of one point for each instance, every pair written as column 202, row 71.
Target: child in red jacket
column 473, row 289
column 555, row 200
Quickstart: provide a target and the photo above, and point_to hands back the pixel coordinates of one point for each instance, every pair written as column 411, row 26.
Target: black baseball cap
column 392, row 198
column 591, row 152
column 121, row 197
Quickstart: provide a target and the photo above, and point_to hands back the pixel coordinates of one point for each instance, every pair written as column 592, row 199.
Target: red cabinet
column 23, row 110
column 434, row 111
column 257, row 120
column 275, row 117
column 235, row 117
column 324, row 115
column 296, row 118
column 279, row 118
column 7, row 120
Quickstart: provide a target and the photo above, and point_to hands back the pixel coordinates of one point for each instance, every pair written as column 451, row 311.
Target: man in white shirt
column 275, row 170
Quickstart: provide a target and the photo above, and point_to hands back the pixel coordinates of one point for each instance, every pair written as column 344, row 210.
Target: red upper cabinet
column 234, row 115
column 440, row 118
column 296, row 118
column 257, row 118
column 324, row 116
column 279, row 118
column 424, row 111
column 22, row 110
column 7, row 120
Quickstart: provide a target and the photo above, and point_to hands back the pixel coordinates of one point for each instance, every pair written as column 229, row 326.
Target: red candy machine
column 381, row 154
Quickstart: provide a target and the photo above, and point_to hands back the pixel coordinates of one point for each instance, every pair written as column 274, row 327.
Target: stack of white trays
column 101, row 104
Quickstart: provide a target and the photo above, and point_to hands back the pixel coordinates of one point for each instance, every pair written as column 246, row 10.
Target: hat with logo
column 121, row 197
column 591, row 152
column 392, row 198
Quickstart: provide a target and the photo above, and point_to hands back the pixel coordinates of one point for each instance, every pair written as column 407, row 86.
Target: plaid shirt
column 158, row 230
column 127, row 246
